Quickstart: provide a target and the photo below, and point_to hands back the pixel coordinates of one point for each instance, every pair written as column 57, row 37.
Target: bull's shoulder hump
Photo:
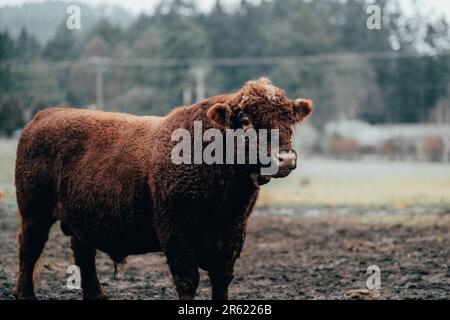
column 154, row 120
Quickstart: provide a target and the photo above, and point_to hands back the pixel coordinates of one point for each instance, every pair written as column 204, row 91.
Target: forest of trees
column 349, row 78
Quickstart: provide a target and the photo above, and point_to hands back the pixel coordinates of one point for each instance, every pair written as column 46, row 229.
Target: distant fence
column 395, row 142
column 344, row 87
column 198, row 71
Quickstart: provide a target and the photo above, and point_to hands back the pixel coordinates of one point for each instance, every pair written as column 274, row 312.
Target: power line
column 218, row 62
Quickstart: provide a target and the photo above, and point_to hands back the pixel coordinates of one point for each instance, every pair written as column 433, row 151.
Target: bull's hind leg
column 85, row 260
column 32, row 238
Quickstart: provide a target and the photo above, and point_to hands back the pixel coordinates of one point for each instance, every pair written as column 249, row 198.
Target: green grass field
column 323, row 182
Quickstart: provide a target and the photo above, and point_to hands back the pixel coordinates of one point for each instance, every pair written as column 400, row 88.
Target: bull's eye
column 239, row 113
column 245, row 123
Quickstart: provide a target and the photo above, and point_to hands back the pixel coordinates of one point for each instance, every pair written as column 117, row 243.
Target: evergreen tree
column 27, row 48
column 11, row 116
column 6, row 53
column 62, row 46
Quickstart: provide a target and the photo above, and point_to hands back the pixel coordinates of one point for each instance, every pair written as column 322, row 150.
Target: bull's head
column 261, row 105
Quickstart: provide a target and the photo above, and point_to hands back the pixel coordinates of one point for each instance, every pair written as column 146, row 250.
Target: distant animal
column 109, row 179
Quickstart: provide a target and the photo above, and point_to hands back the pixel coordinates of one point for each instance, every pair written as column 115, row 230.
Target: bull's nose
column 287, row 160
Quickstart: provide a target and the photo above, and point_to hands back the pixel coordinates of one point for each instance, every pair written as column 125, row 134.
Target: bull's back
column 53, row 140
column 64, row 147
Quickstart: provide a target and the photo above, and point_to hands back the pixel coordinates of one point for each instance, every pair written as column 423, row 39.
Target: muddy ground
column 285, row 257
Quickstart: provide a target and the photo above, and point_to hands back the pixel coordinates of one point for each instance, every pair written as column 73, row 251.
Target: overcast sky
column 435, row 7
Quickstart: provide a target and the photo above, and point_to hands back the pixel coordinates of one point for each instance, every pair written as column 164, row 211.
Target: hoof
column 100, row 296
column 24, row 297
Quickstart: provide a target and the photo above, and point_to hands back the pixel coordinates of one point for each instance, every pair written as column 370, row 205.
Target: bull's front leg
column 181, row 261
column 185, row 278
column 222, row 273
column 220, row 281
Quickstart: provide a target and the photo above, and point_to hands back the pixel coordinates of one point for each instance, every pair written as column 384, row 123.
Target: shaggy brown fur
column 109, row 179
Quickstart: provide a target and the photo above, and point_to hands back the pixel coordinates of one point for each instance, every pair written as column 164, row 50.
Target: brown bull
column 110, row 181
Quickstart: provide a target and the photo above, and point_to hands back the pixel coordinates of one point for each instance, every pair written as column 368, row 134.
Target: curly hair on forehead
column 260, row 91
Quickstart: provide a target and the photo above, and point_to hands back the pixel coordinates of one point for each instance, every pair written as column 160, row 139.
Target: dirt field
column 294, row 257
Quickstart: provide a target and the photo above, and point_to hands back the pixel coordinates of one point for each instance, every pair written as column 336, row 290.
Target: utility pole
column 199, row 73
column 187, row 96
column 99, row 65
column 446, row 125
column 99, row 88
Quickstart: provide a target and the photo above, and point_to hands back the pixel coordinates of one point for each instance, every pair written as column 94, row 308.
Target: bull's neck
column 188, row 118
column 185, row 117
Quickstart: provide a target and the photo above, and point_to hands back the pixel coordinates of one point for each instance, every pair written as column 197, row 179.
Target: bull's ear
column 302, row 108
column 220, row 114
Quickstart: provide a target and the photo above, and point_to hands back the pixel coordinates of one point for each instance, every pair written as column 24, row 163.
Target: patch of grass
column 7, row 160
column 321, row 183
column 360, row 184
